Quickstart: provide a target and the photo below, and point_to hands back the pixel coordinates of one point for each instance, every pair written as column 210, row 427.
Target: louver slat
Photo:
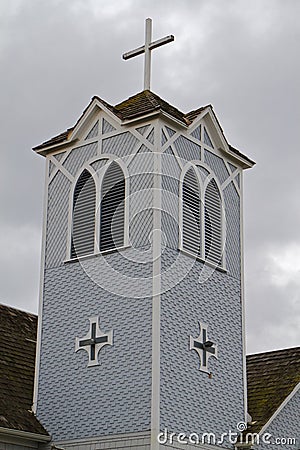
column 112, row 209
column 83, row 228
column 191, row 213
column 213, row 223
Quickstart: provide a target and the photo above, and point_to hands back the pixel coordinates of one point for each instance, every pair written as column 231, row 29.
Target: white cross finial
column 147, row 50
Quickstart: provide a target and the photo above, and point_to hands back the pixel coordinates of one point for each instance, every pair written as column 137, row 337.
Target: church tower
column 141, row 333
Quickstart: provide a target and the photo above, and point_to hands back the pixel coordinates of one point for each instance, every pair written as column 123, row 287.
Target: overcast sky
column 241, row 56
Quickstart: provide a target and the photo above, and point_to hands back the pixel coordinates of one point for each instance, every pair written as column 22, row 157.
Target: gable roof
column 17, row 367
column 271, row 378
column 146, row 102
column 138, row 106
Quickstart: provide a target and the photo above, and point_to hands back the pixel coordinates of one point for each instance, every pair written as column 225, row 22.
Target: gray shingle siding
column 285, row 425
column 114, row 397
column 118, row 391
column 190, row 400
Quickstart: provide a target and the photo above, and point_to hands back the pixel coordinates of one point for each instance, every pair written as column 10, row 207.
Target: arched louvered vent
column 112, row 208
column 213, row 223
column 83, row 227
column 191, row 213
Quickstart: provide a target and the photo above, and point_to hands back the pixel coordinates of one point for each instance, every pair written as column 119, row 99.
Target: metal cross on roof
column 147, row 50
column 93, row 341
column 203, row 347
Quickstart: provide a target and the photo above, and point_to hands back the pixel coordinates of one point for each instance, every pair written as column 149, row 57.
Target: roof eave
column 153, row 115
column 245, row 162
column 282, row 405
column 46, row 150
column 25, row 435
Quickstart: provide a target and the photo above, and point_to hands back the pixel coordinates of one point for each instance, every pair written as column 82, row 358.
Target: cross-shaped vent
column 93, row 341
column 204, row 347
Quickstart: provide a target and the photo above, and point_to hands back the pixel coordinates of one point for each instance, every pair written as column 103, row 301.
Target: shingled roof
column 271, row 377
column 17, row 367
column 141, row 104
column 146, row 102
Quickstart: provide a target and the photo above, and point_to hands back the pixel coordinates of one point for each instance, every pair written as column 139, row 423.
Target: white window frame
column 98, row 177
column 202, row 189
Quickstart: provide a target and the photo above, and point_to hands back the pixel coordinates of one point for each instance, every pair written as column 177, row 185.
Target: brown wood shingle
column 271, row 377
column 139, row 105
column 17, row 367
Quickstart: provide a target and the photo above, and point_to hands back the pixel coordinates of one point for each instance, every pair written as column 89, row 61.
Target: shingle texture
column 17, row 361
column 139, row 105
column 206, row 405
column 271, row 377
column 284, row 428
column 115, row 396
column 147, row 102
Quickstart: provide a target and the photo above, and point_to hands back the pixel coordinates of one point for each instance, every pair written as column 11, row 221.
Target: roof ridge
column 152, row 97
column 268, row 352
column 145, row 104
column 17, row 309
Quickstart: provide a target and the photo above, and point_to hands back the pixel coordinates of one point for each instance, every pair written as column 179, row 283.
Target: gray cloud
column 242, row 58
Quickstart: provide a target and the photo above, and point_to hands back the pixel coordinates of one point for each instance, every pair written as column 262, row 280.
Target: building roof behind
column 271, row 378
column 17, row 367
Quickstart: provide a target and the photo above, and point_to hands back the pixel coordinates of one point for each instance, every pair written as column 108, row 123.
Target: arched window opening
column 191, row 231
column 83, row 226
column 213, row 223
column 112, row 208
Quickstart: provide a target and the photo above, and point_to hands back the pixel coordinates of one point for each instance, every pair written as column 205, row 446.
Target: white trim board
column 283, row 404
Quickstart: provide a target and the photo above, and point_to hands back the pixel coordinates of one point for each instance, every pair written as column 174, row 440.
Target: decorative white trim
column 57, row 148
column 217, row 129
column 205, row 261
column 232, row 178
column 184, row 171
column 95, row 105
column 70, row 211
column 172, row 119
column 283, row 404
column 219, row 150
column 60, row 163
column 195, row 124
column 140, row 119
column 243, row 307
column 41, row 291
column 124, row 169
column 159, row 114
column 170, row 140
column 143, row 139
column 156, row 291
column 98, row 177
column 59, row 167
column 93, row 255
column 202, row 189
column 208, row 179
